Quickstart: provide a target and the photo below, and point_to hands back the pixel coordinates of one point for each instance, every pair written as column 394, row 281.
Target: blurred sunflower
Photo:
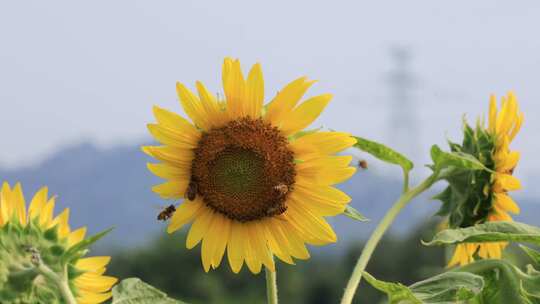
column 255, row 184
column 52, row 238
column 475, row 197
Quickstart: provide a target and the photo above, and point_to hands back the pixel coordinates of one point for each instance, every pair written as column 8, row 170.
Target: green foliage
column 449, row 287
column 468, row 170
column 383, row 153
column 505, row 283
column 355, row 214
column 488, row 232
column 459, row 160
column 135, row 291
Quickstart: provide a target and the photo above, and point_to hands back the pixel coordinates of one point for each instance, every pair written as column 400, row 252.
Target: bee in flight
column 166, row 213
column 362, row 164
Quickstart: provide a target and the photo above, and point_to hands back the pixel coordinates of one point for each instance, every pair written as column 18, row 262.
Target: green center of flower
column 244, row 170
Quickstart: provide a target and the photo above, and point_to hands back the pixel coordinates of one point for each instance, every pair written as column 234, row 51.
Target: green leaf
column 84, row 244
column 504, row 283
column 461, row 160
column 383, row 153
column 533, row 254
column 488, row 232
column 135, row 291
column 448, row 287
column 354, row 214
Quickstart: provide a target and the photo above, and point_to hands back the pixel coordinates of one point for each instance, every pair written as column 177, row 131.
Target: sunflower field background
column 438, row 82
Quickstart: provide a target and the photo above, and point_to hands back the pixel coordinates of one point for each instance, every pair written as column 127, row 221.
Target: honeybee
column 363, row 164
column 276, row 210
column 281, row 189
column 166, row 213
column 191, row 192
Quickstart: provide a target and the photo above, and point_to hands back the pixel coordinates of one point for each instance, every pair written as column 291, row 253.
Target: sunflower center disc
column 244, row 170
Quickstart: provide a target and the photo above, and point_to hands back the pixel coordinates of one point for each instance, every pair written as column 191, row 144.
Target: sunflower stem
column 61, row 281
column 271, row 286
column 378, row 233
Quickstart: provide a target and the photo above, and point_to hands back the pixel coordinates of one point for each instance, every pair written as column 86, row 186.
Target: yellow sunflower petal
column 492, row 113
column 46, row 215
column 6, row 203
column 221, row 242
column 286, row 100
column 95, row 283
column 76, row 236
column 505, row 202
column 199, row 228
column 507, row 182
column 93, row 263
column 260, row 247
column 175, row 189
column 86, row 297
column 62, row 220
column 176, row 123
column 174, row 156
column 187, row 211
column 255, row 92
column 313, row 226
column 167, row 171
column 325, row 143
column 460, row 256
column 173, row 138
column 38, row 202
column 216, row 117
column 510, row 162
column 253, row 261
column 517, row 126
column 276, row 242
column 235, row 247
column 234, row 86
column 215, row 241
column 192, row 106
column 297, row 247
column 305, row 114
column 19, row 204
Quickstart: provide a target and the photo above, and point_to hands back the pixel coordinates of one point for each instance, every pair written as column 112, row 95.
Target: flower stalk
column 381, row 229
column 61, row 281
column 271, row 286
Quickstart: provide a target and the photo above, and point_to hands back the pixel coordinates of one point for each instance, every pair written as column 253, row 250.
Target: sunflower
column 52, row 237
column 475, row 197
column 255, row 184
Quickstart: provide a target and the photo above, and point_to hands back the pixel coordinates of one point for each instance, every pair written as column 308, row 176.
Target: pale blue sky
column 73, row 71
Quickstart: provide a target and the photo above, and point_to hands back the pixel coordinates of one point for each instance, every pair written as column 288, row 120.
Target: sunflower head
column 255, row 183
column 25, row 233
column 478, row 196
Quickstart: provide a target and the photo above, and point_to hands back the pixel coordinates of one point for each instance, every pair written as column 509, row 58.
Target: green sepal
column 448, row 287
column 51, row 234
column 73, row 253
column 383, row 153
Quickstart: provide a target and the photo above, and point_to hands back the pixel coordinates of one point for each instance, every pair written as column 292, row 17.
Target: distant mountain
column 111, row 187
